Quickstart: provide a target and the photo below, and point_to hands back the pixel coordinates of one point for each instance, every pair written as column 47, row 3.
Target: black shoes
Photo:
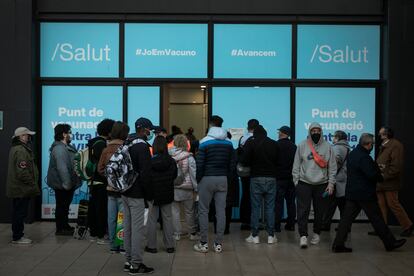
column 341, row 249
column 408, row 232
column 289, row 227
column 326, row 228
column 396, row 244
column 245, row 226
column 372, row 233
column 171, row 250
column 150, row 250
column 64, row 232
column 141, row 269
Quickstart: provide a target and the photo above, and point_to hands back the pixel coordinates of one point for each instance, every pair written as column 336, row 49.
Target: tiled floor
column 51, row 255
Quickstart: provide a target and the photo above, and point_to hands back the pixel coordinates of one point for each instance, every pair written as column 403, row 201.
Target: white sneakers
column 177, row 237
column 23, row 241
column 315, row 239
column 303, row 242
column 193, row 237
column 271, row 239
column 102, row 241
column 251, row 239
column 256, row 240
column 218, row 248
column 202, row 248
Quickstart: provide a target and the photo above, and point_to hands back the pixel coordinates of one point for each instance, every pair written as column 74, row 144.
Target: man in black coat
column 261, row 155
column 285, row 189
column 362, row 177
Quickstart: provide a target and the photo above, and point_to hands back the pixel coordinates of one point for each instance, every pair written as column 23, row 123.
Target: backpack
column 84, row 165
column 180, row 176
column 119, row 170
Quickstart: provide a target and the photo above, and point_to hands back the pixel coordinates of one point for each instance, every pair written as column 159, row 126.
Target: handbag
column 316, row 157
column 242, row 171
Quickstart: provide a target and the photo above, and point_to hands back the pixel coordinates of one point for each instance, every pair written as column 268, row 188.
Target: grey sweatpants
column 188, row 214
column 134, row 229
column 212, row 187
column 167, row 224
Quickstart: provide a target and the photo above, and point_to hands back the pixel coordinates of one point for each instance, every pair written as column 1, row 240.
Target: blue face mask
column 150, row 135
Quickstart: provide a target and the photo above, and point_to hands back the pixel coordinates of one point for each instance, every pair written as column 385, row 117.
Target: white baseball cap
column 21, row 131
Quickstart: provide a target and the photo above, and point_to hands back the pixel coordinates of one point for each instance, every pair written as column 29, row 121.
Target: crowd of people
column 177, row 174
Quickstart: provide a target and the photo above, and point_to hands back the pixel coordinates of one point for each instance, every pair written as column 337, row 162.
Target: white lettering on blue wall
column 327, row 54
column 67, row 52
column 251, row 53
column 165, row 52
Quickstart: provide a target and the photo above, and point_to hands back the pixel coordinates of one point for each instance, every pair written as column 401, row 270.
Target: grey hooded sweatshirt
column 305, row 168
column 341, row 150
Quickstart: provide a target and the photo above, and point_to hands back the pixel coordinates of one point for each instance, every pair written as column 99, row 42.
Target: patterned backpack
column 119, row 170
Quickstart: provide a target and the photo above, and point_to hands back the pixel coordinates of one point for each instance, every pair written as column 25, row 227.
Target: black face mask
column 316, row 137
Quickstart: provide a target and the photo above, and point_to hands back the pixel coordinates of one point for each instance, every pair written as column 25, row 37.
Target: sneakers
column 102, row 241
column 271, row 239
column 23, row 241
column 127, row 266
column 218, row 248
column 141, row 269
column 201, row 247
column 170, row 250
column 315, row 239
column 303, row 242
column 177, row 237
column 194, row 237
column 151, row 250
column 251, row 239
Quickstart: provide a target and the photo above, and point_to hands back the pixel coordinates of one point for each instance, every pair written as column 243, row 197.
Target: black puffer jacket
column 260, row 154
column 362, row 176
column 287, row 150
column 163, row 173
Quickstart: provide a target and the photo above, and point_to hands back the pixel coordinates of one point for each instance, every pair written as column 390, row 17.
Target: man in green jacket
column 22, row 181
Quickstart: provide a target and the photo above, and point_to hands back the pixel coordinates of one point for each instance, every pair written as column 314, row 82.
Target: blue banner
column 351, row 110
column 82, row 107
column 338, row 52
column 166, row 50
column 79, row 50
column 143, row 101
column 252, row 51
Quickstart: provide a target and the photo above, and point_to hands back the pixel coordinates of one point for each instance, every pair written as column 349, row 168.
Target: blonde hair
column 180, row 141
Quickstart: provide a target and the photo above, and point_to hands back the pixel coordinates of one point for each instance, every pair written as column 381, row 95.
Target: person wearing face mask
column 314, row 171
column 61, row 177
column 391, row 162
column 22, row 181
column 362, row 177
column 134, row 199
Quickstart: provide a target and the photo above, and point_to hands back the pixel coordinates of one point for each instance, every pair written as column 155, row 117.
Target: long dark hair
column 160, row 145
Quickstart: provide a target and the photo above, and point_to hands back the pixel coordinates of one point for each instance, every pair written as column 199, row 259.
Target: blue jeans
column 114, row 206
column 263, row 188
